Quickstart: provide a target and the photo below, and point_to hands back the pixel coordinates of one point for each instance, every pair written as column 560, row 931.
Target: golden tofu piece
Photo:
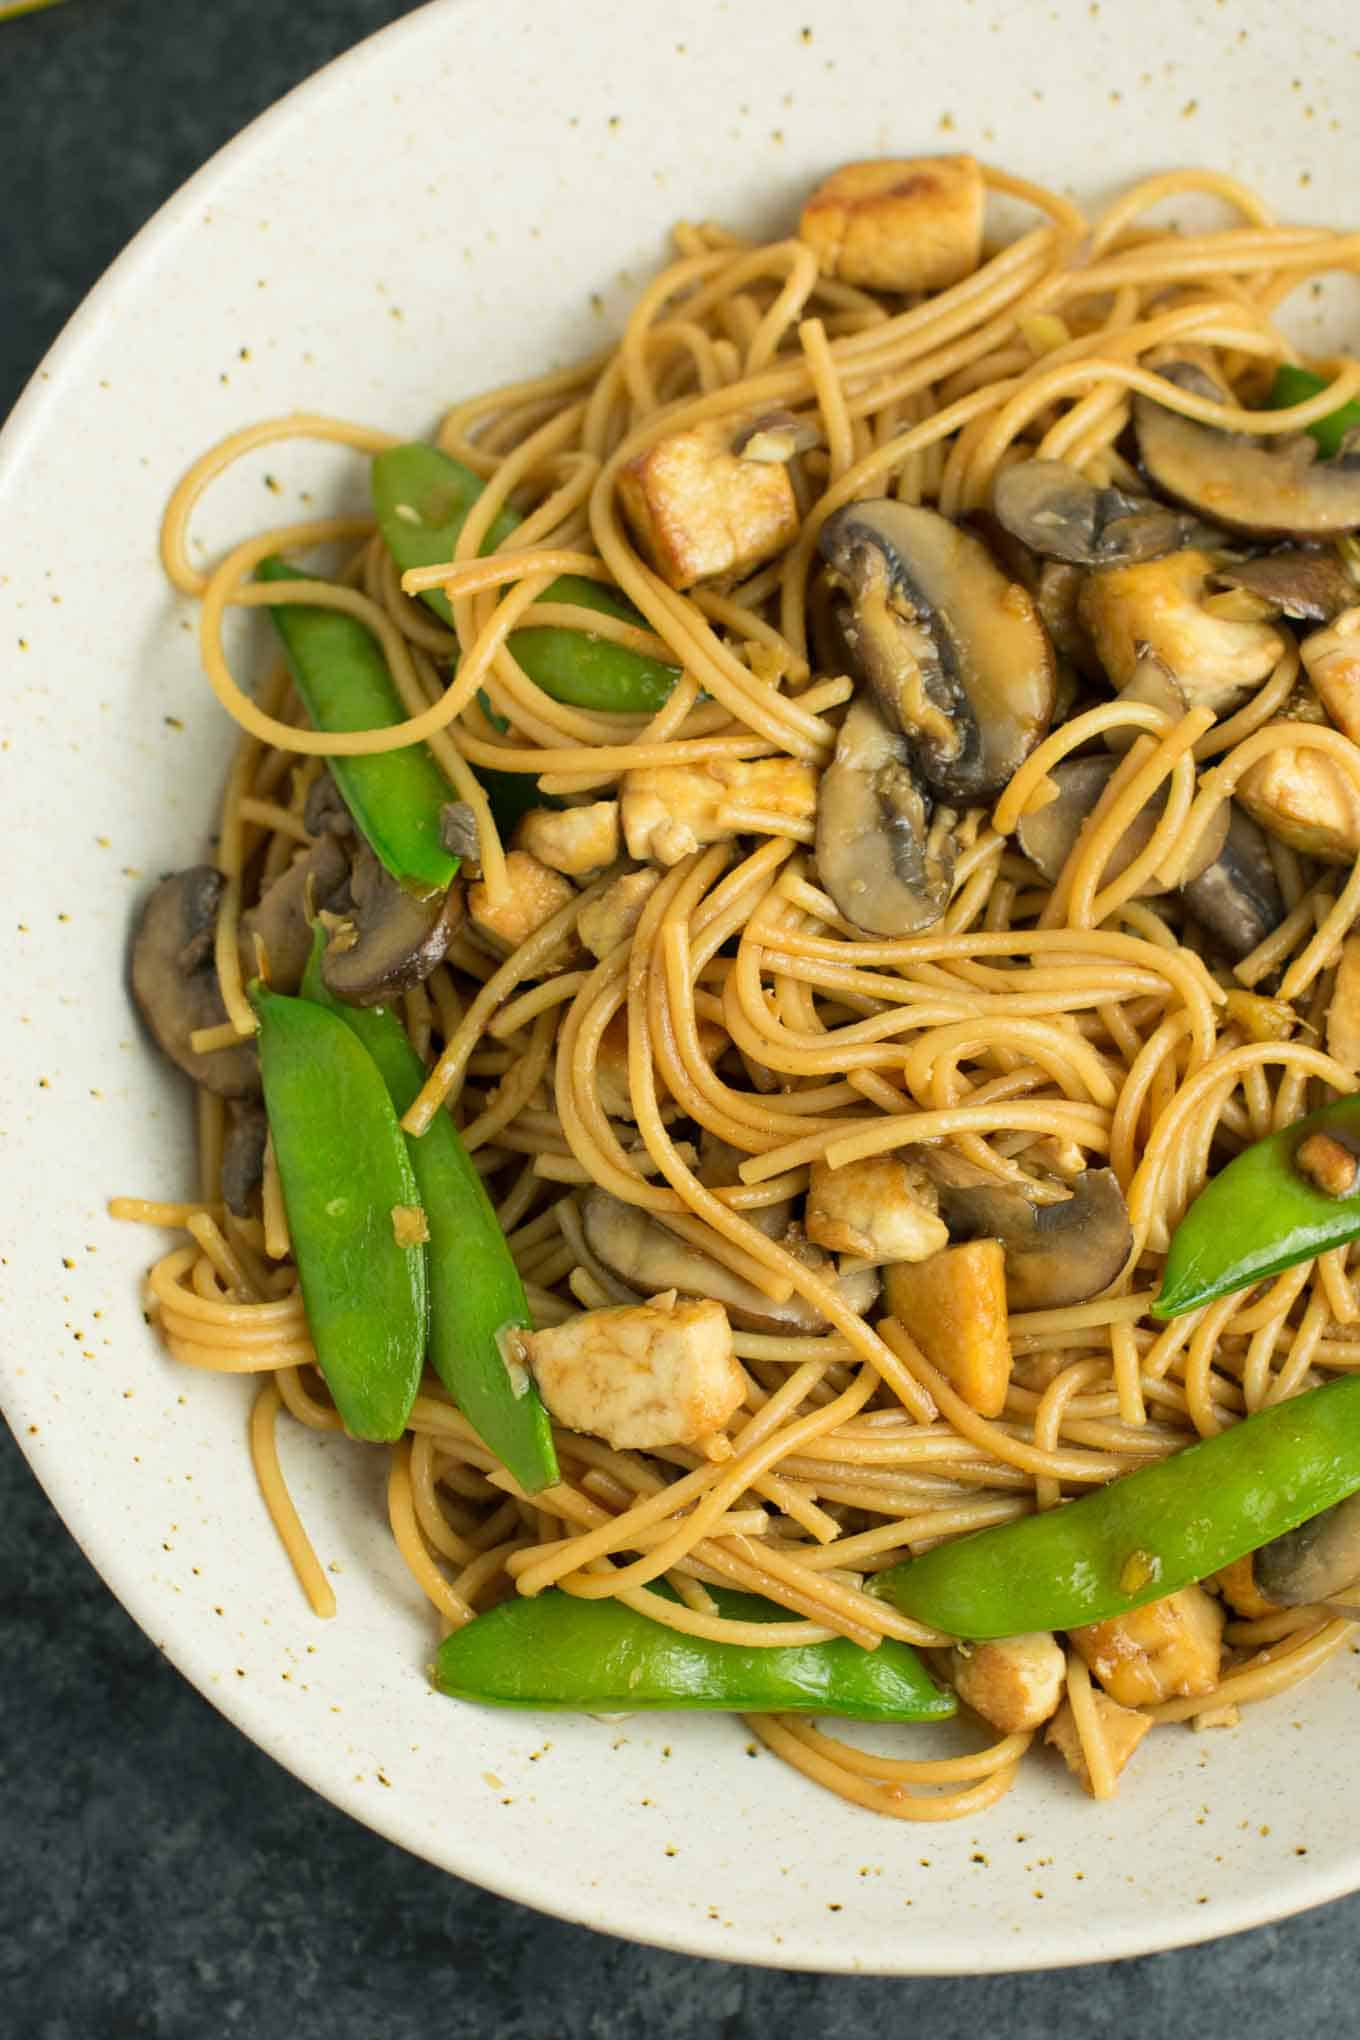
column 1121, row 1730
column 881, row 1209
column 1331, row 659
column 954, row 1306
column 536, row 894
column 699, row 510
column 641, row 1376
column 1016, row 1683
column 1343, row 1014
column 1307, row 800
column 898, row 223
column 574, row 839
column 1157, row 606
column 611, row 919
column 1162, row 1651
column 669, row 811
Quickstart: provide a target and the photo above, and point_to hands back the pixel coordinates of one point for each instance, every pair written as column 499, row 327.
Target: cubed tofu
column 912, row 223
column 536, row 894
column 1015, row 1684
column 1121, row 1731
column 642, row 1376
column 1157, row 606
column 1165, row 1650
column 1343, row 1014
column 669, row 811
column 1331, row 659
column 573, row 840
column 881, row 1209
column 611, row 919
column 954, row 1306
column 699, row 510
column 1306, row 799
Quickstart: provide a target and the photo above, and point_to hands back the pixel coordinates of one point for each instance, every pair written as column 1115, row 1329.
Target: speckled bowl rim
column 1264, row 1889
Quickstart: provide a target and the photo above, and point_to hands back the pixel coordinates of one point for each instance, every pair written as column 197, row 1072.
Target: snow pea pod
column 346, row 1173
column 601, row 1657
column 422, row 497
column 395, row 797
column 1294, row 386
column 475, row 1289
column 1146, row 1535
column 1270, row 1208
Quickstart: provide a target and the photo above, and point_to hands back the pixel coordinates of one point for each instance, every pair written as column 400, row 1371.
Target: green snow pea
column 601, row 1657
column 1146, row 1535
column 1294, row 386
column 422, row 497
column 1267, row 1210
column 345, row 1170
column 475, row 1290
column 394, row 796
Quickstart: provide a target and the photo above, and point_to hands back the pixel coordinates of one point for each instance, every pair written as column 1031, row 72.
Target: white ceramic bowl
column 433, row 213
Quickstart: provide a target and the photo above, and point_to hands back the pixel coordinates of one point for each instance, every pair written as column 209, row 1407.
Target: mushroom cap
column 1268, row 487
column 887, row 868
column 639, row 1251
column 1049, row 834
column 281, row 918
column 389, row 938
column 1057, row 512
column 243, row 1153
column 1056, row 1254
column 1310, row 585
column 1319, row 1560
column 174, row 980
column 953, row 651
column 1237, row 899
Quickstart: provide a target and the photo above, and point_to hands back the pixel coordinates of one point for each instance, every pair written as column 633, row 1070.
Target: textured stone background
column 158, row 1875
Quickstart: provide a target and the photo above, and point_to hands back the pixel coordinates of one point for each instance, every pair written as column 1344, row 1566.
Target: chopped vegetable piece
column 1146, row 1535
column 344, row 1167
column 1294, row 386
column 602, row 1657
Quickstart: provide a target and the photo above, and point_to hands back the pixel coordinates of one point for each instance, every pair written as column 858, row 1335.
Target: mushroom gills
column 885, row 859
column 640, row 1252
column 276, row 934
column 1057, row 512
column 174, row 980
column 385, row 938
column 1272, row 487
column 1317, row 1562
column 1056, row 1254
column 953, row 651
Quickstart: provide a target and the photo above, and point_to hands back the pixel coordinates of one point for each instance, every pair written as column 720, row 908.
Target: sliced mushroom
column 243, row 1154
column 1049, row 834
column 1313, row 587
column 1236, row 898
column 388, row 938
column 1056, row 1254
column 1157, row 606
column 1319, row 1561
column 280, row 924
column 1054, row 510
column 639, row 1251
column 174, row 980
column 952, row 650
column 458, row 831
column 1272, row 487
column 324, row 812
column 885, row 860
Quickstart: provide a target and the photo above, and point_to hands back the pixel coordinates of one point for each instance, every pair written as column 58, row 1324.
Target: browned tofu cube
column 1162, row 1651
column 954, row 1306
column 911, row 223
column 700, row 511
column 573, row 839
column 536, row 894
column 1121, row 1729
column 1015, row 1683
column 1331, row 659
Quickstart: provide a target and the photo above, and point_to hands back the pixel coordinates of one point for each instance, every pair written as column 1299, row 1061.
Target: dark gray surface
column 158, row 1875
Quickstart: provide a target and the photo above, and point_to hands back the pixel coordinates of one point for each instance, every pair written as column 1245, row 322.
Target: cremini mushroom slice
column 1050, row 834
column 243, row 1153
column 1269, row 487
column 1157, row 607
column 885, row 859
column 1317, row 1562
column 1236, row 898
column 174, row 980
column 953, row 651
column 1061, row 515
column 1056, row 1254
column 640, row 1252
column 279, row 926
column 1310, row 586
column 388, row 938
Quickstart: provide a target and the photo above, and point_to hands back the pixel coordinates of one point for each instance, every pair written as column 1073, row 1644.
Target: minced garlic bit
column 410, row 1227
